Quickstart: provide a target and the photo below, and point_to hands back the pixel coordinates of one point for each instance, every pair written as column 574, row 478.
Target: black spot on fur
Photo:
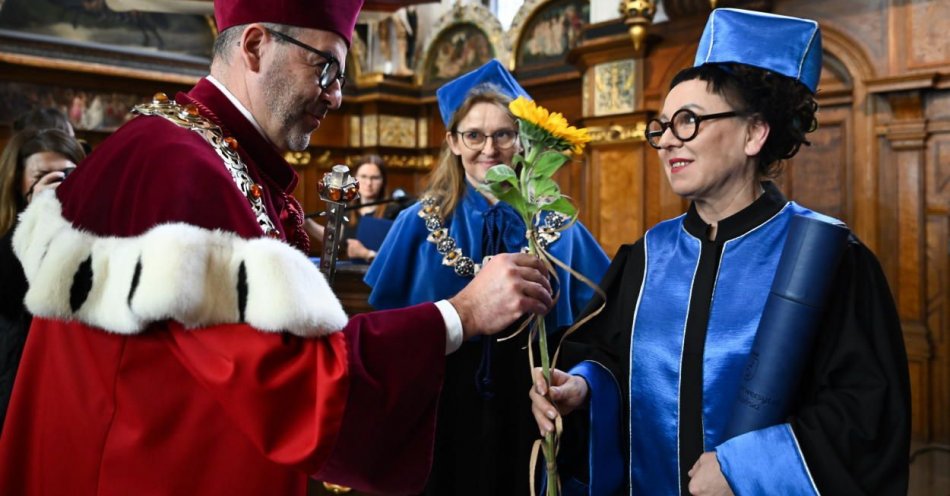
column 82, row 284
column 242, row 290
column 135, row 280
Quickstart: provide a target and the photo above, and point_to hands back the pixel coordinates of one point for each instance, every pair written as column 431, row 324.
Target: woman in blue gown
column 485, row 428
column 654, row 378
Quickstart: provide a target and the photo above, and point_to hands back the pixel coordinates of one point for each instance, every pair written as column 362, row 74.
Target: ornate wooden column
column 612, row 111
column 913, row 237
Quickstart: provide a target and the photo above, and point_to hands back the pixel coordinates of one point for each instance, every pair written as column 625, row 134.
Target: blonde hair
column 447, row 180
column 13, row 159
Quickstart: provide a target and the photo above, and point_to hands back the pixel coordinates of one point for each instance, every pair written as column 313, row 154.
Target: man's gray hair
column 231, row 37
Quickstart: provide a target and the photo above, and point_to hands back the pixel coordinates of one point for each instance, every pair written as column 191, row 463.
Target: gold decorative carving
column 423, row 132
column 398, row 132
column 357, row 58
column 586, row 104
column 354, row 131
column 617, row 133
column 369, row 130
column 297, row 158
column 615, row 89
column 403, row 161
column 473, row 14
column 638, row 14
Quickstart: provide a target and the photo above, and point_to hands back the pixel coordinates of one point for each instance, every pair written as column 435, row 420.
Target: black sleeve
column 853, row 418
column 606, row 340
column 14, row 319
column 14, row 284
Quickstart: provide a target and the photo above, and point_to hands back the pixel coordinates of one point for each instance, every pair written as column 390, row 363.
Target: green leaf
column 513, row 197
column 501, row 173
column 564, row 206
column 543, row 186
column 543, row 191
column 497, row 189
column 548, row 164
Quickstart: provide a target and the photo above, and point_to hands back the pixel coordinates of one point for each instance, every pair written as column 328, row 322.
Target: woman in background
column 34, row 160
column 485, row 430
column 371, row 174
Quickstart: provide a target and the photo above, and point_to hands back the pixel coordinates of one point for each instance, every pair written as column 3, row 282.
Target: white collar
column 238, row 105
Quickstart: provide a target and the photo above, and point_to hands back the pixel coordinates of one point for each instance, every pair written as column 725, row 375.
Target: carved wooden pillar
column 612, row 112
column 913, row 243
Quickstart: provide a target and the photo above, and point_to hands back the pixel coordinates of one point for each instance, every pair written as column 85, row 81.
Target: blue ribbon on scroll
column 789, row 323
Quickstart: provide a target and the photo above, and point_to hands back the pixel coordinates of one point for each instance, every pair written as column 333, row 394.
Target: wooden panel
column 938, row 281
column 865, row 21
column 926, row 24
column 332, row 132
column 818, row 176
column 938, row 270
column 919, row 398
column 910, row 241
column 618, row 184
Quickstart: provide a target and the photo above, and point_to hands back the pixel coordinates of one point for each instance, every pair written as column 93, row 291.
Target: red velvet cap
column 337, row 16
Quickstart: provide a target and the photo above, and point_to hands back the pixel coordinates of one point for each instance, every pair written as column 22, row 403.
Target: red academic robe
column 219, row 409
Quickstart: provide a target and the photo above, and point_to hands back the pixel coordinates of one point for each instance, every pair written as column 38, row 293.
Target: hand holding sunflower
column 548, row 142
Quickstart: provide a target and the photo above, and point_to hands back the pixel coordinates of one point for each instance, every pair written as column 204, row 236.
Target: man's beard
column 283, row 105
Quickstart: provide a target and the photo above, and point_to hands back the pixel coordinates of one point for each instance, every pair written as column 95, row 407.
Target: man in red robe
column 182, row 343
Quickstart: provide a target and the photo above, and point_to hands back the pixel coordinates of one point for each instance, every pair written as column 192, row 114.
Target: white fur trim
column 187, row 274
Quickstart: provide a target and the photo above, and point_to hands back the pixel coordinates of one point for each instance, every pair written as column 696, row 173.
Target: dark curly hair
column 786, row 105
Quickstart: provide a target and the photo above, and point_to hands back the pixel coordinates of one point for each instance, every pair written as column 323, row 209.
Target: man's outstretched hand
column 507, row 287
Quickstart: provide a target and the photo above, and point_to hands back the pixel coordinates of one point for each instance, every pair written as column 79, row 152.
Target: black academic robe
column 14, row 319
column 850, row 420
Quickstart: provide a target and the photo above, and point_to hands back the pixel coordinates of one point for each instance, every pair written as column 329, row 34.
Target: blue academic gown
column 665, row 360
column 409, row 270
column 484, row 426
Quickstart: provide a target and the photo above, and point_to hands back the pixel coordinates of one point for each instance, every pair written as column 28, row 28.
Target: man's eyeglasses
column 684, row 125
column 331, row 68
column 475, row 140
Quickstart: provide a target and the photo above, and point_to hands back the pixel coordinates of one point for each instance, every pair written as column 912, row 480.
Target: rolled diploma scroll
column 789, row 323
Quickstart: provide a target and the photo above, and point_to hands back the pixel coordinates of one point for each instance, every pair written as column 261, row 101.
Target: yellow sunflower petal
column 553, row 123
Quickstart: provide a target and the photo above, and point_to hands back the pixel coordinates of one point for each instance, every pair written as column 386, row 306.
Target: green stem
column 550, row 441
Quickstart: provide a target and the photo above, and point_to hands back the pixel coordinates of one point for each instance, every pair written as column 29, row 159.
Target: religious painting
column 111, row 23
column 457, row 50
column 553, row 30
column 87, row 110
column 614, row 87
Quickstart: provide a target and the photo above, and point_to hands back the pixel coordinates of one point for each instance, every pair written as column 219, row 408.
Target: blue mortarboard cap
column 453, row 93
column 785, row 45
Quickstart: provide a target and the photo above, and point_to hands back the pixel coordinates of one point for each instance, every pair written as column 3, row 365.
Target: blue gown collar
column 503, row 230
column 762, row 209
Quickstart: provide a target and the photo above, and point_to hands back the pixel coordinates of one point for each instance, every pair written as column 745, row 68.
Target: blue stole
column 746, row 269
column 409, row 270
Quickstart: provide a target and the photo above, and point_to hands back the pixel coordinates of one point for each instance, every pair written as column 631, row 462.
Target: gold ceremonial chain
column 452, row 256
column 189, row 117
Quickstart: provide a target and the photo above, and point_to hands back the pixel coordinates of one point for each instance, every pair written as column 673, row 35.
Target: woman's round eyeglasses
column 684, row 125
column 331, row 70
column 475, row 140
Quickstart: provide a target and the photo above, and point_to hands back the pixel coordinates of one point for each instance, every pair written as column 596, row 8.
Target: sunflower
column 552, row 123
